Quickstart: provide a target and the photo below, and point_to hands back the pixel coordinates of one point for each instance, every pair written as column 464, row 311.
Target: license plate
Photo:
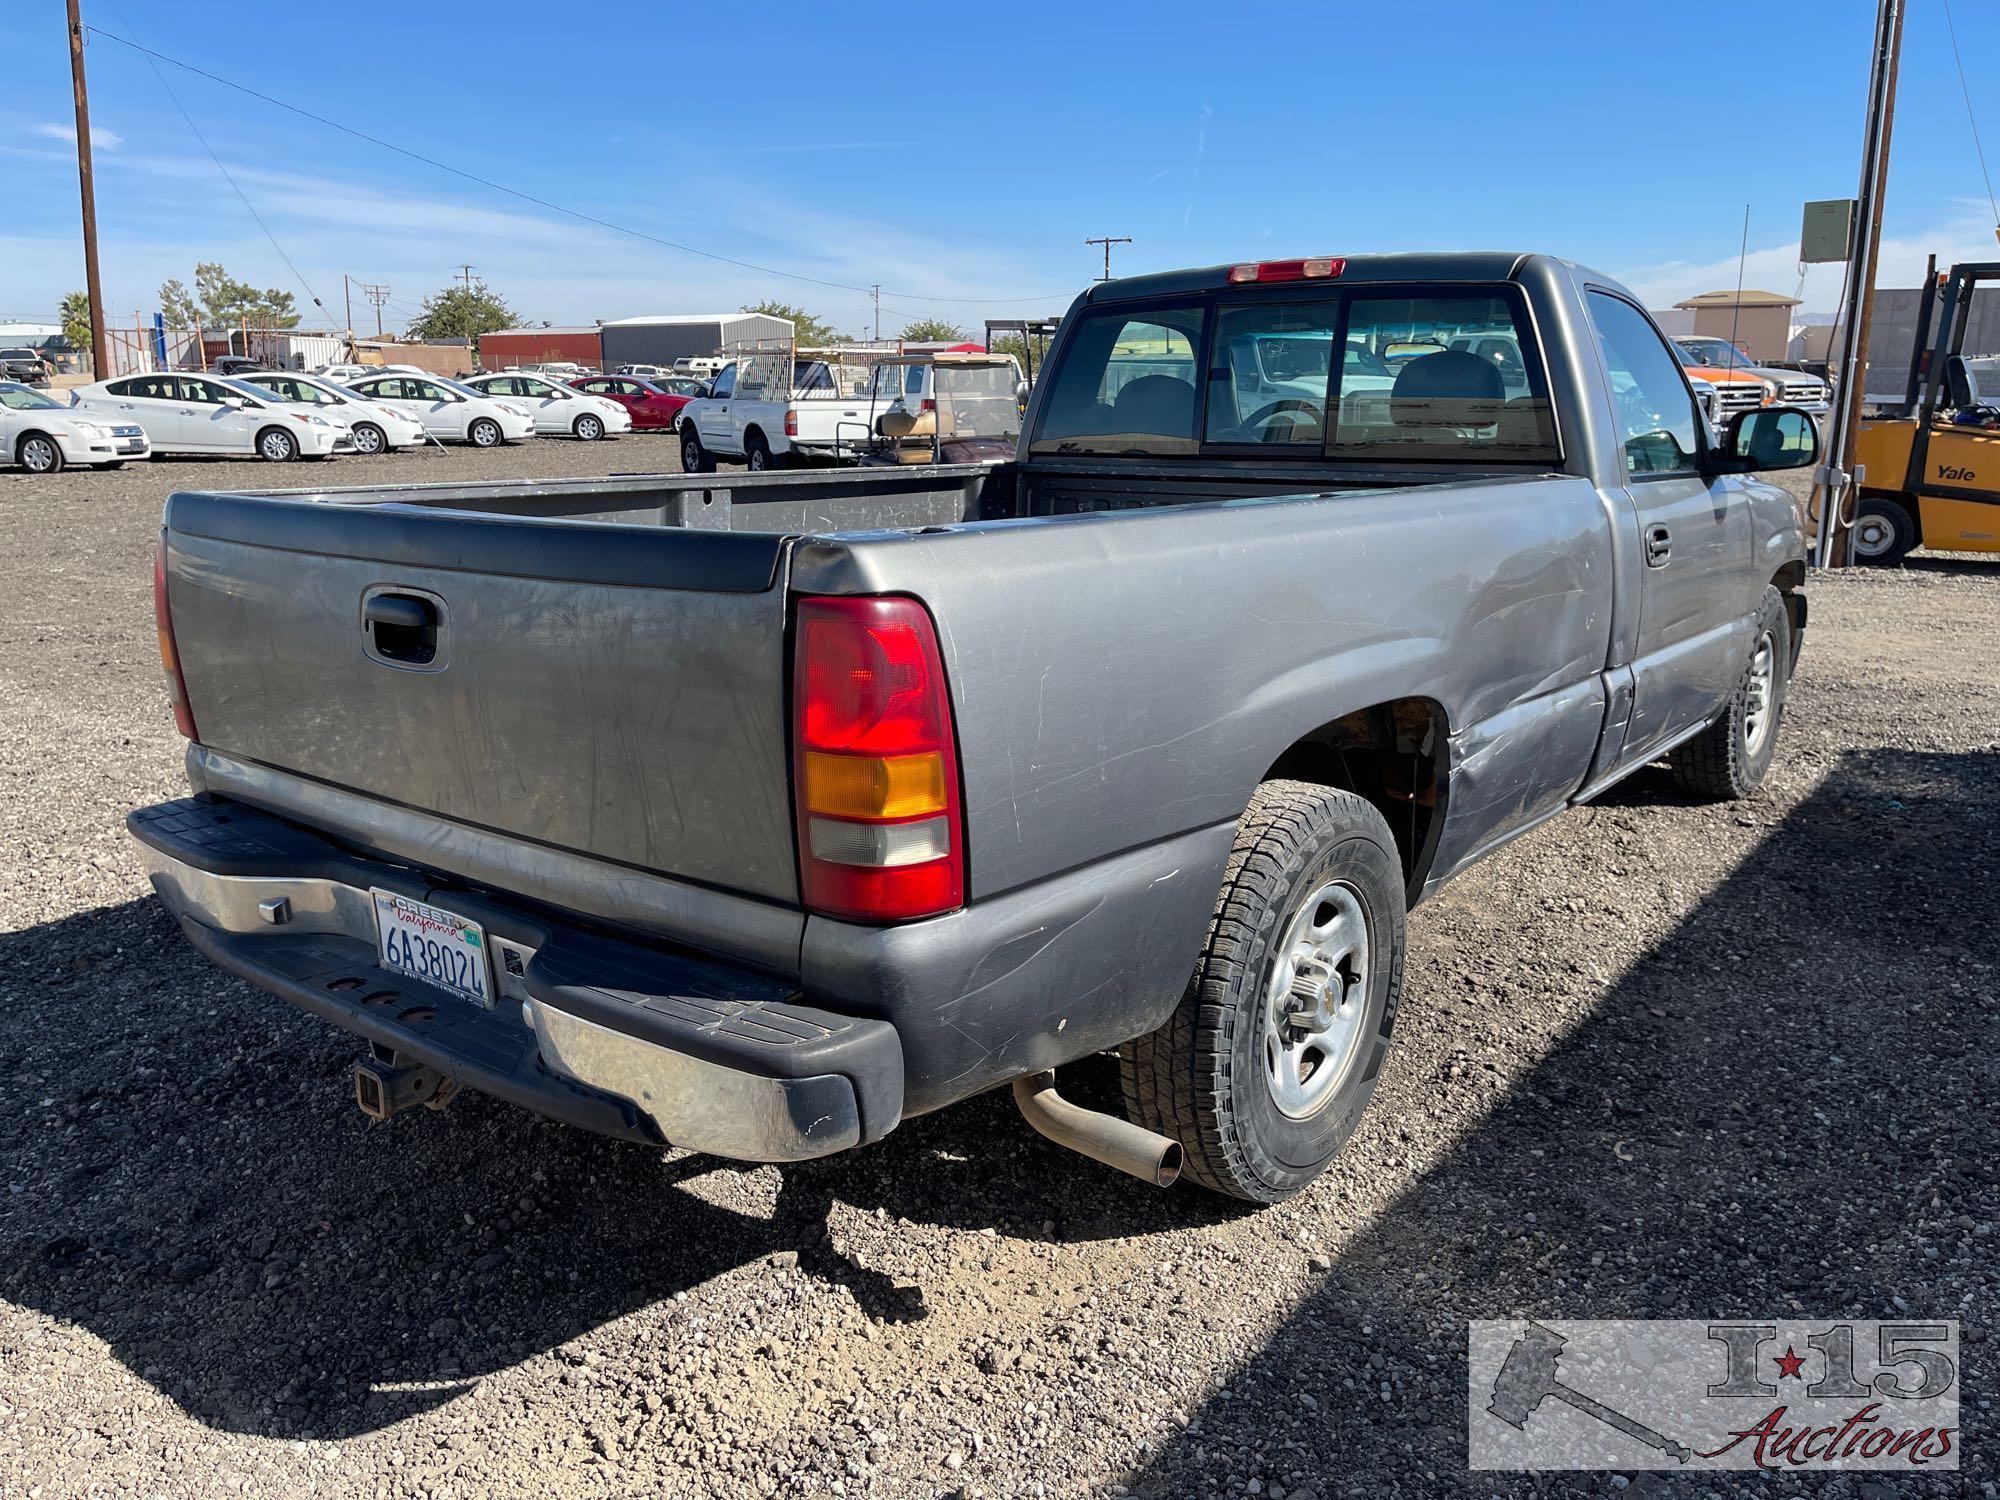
column 432, row 944
column 131, row 445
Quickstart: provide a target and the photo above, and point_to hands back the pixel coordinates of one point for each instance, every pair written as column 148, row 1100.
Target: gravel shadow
column 1784, row 1106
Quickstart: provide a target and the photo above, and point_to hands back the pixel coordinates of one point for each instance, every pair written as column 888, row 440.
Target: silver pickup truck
column 756, row 813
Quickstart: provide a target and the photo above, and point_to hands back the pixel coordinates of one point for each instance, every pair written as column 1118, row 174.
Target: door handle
column 1659, row 546
column 401, row 629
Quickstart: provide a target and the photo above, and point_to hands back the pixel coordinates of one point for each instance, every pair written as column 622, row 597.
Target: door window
column 151, row 387
column 1656, row 410
column 201, row 391
column 423, row 390
column 725, row 383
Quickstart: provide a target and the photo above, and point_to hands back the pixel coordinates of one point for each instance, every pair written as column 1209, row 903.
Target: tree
column 1014, row 344
column 225, row 300
column 177, row 309
column 463, row 311
column 807, row 329
column 76, row 319
column 933, row 331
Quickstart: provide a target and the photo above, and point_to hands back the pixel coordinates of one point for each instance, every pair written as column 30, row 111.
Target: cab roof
column 1456, row 265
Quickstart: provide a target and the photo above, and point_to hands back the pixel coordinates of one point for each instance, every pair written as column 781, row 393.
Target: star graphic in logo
column 1789, row 1364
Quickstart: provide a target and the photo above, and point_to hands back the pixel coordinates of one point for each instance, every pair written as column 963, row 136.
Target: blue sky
column 964, row 153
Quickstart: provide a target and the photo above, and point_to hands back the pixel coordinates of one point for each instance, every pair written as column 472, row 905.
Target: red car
column 652, row 406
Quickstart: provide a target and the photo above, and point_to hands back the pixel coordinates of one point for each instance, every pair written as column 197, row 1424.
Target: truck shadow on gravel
column 1767, row 1113
column 187, row 1184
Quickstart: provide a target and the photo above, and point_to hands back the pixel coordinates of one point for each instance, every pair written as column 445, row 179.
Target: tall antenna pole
column 1107, row 241
column 1837, row 481
column 1742, row 254
column 876, row 292
column 88, row 187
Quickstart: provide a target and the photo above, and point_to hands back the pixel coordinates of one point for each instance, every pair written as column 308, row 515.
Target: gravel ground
column 1654, row 1060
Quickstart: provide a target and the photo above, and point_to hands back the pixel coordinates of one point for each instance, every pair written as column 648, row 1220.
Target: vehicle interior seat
column 1447, row 390
column 1162, row 404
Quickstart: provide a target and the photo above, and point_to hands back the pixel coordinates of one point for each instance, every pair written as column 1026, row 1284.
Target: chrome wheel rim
column 1315, row 1001
column 38, row 455
column 275, row 446
column 588, row 428
column 485, row 434
column 367, row 440
column 1758, row 692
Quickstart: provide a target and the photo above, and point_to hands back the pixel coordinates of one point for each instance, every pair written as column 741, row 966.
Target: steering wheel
column 1282, row 408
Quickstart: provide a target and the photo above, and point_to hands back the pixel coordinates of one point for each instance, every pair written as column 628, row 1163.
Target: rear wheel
column 694, row 458
column 1264, row 1070
column 589, row 427
column 1884, row 531
column 40, row 454
column 369, row 439
column 757, row 453
column 277, row 446
column 1731, row 757
column 484, row 433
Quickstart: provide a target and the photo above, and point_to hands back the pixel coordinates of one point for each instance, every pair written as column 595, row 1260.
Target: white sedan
column 450, row 412
column 377, row 426
column 184, row 413
column 43, row 435
column 560, row 411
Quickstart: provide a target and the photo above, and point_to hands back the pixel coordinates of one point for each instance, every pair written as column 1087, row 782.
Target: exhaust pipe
column 1130, row 1148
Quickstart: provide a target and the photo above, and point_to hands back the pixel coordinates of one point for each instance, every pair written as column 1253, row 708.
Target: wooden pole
column 87, row 185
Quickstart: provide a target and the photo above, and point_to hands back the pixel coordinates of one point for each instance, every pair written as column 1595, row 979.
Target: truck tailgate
column 616, row 691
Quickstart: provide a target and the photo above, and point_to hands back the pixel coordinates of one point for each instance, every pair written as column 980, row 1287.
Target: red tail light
column 1313, row 269
column 875, row 763
column 927, row 404
column 170, row 656
column 791, row 424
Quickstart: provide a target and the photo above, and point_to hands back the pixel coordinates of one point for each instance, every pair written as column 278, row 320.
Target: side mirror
column 1771, row 437
column 241, row 403
column 1021, row 393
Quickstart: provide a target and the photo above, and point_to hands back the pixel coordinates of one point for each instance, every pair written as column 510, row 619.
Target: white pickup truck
column 769, row 408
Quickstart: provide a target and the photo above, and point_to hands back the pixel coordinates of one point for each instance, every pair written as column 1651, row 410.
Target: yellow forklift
column 1932, row 471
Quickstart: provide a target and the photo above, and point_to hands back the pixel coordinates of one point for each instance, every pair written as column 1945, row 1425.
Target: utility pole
column 876, row 292
column 347, row 297
column 1837, row 482
column 465, row 275
column 1107, row 241
column 87, row 184
column 377, row 295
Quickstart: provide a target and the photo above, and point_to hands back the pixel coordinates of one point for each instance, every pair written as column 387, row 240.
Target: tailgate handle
column 402, row 629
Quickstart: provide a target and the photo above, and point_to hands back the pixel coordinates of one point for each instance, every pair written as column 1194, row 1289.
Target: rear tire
column 1884, row 531
column 589, row 427
column 39, row 453
column 1729, row 759
column 484, row 433
column 694, row 457
column 757, row 453
column 369, row 439
column 1301, row 973
column 277, row 446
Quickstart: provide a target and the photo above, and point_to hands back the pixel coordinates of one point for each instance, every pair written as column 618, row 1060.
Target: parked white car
column 341, row 374
column 43, row 436
column 377, row 426
column 559, row 410
column 448, row 411
column 186, row 413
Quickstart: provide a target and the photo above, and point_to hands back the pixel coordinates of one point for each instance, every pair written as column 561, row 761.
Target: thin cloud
column 100, row 138
column 1200, row 150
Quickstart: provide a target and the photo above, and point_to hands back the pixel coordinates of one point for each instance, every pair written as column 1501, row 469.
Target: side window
column 1656, row 412
column 914, row 382
column 152, row 387
column 375, row 389
column 423, row 390
column 201, row 391
column 121, row 388
column 725, row 383
column 1268, row 380
column 604, row 387
column 1125, row 385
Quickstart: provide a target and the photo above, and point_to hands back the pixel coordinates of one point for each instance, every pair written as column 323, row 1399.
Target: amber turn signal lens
column 874, row 786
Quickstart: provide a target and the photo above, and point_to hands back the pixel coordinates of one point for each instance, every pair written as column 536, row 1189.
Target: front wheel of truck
column 694, row 458
column 1263, row 1071
column 1731, row 757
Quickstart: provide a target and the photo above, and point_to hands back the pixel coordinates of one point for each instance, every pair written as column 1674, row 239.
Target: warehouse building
column 540, row 346
column 662, row 340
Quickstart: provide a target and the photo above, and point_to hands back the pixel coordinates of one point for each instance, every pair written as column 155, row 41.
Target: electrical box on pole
column 1827, row 233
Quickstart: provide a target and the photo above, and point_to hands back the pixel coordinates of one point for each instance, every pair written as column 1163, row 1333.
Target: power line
column 1951, row 30
column 192, row 127
column 499, row 187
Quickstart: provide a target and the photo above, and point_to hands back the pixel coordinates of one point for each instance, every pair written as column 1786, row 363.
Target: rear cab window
column 1446, row 374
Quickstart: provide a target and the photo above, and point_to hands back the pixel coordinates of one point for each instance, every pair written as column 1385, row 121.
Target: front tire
column 484, row 433
column 1264, row 1070
column 277, row 446
column 369, row 439
column 39, row 453
column 1729, row 759
column 1884, row 531
column 694, row 457
column 588, row 428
